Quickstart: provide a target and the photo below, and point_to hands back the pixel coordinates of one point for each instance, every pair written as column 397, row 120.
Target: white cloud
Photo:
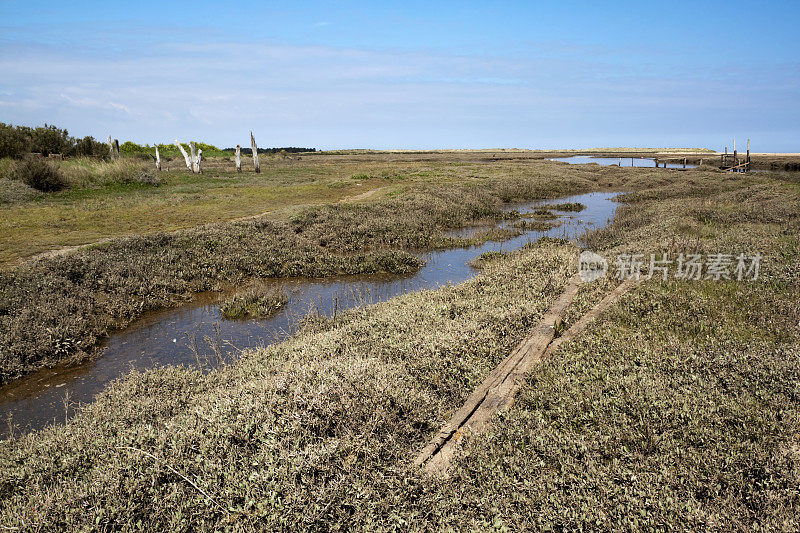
column 340, row 96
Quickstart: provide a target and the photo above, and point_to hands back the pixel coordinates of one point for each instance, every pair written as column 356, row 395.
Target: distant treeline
column 288, row 150
column 168, row 150
column 17, row 141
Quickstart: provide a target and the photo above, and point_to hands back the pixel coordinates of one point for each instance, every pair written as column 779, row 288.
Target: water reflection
column 615, row 161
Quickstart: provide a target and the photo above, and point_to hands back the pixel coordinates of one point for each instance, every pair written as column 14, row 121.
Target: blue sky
column 408, row 75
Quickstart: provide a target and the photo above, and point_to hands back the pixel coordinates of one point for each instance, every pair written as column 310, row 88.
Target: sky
column 413, row 75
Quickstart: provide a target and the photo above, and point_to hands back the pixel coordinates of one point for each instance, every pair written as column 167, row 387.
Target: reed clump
column 567, row 206
column 89, row 172
column 259, row 301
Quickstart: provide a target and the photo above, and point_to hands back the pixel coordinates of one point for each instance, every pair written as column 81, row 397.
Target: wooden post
column 631, row 162
column 193, row 152
column 747, row 168
column 238, row 158
column 684, row 162
column 110, row 148
column 116, row 148
column 199, row 160
column 255, row 153
column 185, row 155
column 158, row 158
column 656, row 160
column 620, row 162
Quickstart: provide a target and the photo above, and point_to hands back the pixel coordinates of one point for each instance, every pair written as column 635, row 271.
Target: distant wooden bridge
column 732, row 162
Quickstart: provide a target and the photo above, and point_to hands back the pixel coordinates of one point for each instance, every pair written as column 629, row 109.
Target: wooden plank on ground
column 437, row 454
column 498, row 390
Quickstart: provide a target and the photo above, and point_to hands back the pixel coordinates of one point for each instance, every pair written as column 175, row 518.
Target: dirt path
column 64, row 250
column 57, row 252
column 364, row 195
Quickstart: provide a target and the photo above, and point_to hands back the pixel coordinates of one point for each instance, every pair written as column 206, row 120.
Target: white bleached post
column 185, row 155
column 158, row 158
column 110, row 148
column 193, row 151
column 255, row 153
column 199, row 160
column 238, row 158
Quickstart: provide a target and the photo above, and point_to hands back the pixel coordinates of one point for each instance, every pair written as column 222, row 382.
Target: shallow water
column 195, row 333
column 614, row 161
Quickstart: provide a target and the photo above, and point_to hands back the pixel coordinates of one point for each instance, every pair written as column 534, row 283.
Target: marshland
column 380, row 266
column 678, row 408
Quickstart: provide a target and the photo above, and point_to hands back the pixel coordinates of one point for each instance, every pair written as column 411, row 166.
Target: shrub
column 40, row 175
column 147, row 177
column 49, row 139
column 89, row 147
column 15, row 192
column 13, row 143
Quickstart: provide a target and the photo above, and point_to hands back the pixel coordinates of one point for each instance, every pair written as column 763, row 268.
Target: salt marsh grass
column 677, row 410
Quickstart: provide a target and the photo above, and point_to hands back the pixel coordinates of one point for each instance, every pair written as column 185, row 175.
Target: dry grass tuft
column 259, row 301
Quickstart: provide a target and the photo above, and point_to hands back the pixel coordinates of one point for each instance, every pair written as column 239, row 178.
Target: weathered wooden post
column 116, row 148
column 193, row 156
column 656, row 160
column 239, row 158
column 735, row 157
column 195, row 162
column 747, row 168
column 684, row 162
column 185, row 155
column 110, row 148
column 620, row 162
column 158, row 158
column 255, row 153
